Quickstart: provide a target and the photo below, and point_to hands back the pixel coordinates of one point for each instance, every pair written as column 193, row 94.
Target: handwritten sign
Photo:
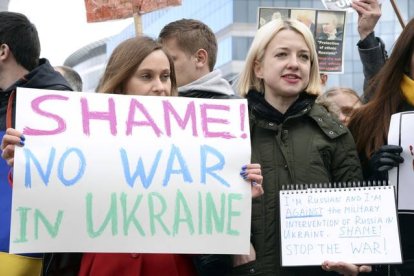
column 103, row 10
column 327, row 27
column 355, row 225
column 401, row 132
column 116, row 173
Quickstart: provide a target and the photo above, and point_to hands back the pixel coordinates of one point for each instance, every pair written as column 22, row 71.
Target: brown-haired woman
column 138, row 66
column 394, row 92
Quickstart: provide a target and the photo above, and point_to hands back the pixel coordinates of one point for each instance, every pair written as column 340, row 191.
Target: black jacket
column 42, row 77
column 373, row 56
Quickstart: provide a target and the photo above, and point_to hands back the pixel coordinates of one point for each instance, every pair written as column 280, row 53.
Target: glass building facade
column 235, row 22
column 89, row 62
column 4, row 5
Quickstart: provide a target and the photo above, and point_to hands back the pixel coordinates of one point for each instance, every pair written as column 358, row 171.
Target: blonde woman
column 295, row 140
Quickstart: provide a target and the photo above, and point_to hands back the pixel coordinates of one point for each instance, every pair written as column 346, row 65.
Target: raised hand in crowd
column 369, row 12
column 371, row 49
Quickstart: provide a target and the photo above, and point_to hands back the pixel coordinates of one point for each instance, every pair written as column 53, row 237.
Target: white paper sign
column 340, row 4
column 116, row 173
column 401, row 132
column 354, row 225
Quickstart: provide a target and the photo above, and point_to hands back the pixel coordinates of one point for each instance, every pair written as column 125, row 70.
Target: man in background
column 193, row 48
column 71, row 76
column 20, row 66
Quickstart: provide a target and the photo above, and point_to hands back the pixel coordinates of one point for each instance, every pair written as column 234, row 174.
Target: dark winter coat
column 303, row 146
column 373, row 56
column 42, row 77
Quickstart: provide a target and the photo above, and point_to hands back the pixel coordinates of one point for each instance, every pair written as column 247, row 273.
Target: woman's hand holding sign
column 346, row 268
column 8, row 144
column 253, row 173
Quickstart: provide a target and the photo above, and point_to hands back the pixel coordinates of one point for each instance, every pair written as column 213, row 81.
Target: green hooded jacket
column 306, row 146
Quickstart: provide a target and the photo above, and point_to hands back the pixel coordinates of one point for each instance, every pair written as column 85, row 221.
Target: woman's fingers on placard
column 8, row 154
column 344, row 268
column 257, row 190
column 12, row 137
column 13, row 132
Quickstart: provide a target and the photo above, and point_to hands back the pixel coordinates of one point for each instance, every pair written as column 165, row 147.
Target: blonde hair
column 326, row 99
column 335, row 91
column 263, row 37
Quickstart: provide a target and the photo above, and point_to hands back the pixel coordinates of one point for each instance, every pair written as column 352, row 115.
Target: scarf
column 265, row 110
column 407, row 87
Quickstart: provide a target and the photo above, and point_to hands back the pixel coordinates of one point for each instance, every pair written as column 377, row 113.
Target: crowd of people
column 298, row 134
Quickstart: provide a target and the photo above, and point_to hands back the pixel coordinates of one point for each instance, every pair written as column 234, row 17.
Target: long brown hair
column 370, row 123
column 124, row 61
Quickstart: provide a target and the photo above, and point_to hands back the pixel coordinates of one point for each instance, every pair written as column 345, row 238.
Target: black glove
column 387, row 157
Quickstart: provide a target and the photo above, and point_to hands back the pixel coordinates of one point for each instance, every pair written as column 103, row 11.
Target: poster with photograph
column 327, row 27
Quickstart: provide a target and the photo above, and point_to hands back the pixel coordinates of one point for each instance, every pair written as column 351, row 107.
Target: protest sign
column 103, row 10
column 117, row 173
column 340, row 5
column 327, row 27
column 355, row 225
column 401, row 132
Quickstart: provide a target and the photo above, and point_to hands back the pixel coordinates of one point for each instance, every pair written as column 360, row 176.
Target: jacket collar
column 43, row 76
column 264, row 115
column 262, row 109
column 326, row 122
